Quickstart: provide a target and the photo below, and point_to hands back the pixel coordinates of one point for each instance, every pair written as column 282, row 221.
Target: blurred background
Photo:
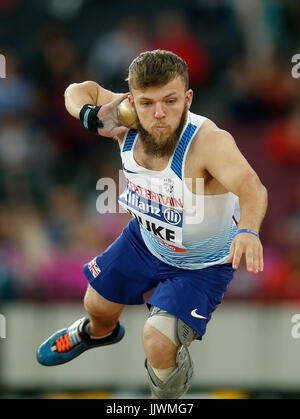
column 239, row 56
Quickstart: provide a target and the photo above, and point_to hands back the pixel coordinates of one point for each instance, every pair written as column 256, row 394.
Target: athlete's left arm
column 224, row 161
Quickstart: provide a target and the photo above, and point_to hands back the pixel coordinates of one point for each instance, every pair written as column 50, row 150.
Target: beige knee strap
column 166, row 325
column 172, row 327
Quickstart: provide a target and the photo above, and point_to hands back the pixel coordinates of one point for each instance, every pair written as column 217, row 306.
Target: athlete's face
column 161, row 114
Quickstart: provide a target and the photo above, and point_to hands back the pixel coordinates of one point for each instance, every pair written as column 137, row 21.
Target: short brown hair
column 156, row 68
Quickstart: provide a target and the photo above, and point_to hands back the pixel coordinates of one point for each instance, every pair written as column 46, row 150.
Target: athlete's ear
column 189, row 97
column 131, row 102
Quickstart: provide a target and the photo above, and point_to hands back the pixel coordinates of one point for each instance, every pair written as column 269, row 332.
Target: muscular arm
column 79, row 94
column 89, row 92
column 224, row 162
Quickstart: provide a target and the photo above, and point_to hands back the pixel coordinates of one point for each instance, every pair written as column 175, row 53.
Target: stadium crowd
column 239, row 59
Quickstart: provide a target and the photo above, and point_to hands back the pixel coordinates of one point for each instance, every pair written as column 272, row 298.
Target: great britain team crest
column 94, row 268
column 168, row 185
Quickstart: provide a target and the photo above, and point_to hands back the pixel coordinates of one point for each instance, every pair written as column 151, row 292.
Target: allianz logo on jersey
column 170, row 215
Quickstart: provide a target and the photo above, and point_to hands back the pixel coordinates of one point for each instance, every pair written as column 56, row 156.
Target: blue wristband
column 246, row 230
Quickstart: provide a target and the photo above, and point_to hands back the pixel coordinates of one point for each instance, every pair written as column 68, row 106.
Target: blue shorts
column 126, row 272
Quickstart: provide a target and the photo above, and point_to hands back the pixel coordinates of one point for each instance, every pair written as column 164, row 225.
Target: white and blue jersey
column 183, row 229
column 173, row 253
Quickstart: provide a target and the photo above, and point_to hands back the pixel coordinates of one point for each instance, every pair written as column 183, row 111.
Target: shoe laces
column 63, row 343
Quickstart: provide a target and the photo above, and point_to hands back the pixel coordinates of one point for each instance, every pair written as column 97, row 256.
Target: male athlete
column 184, row 255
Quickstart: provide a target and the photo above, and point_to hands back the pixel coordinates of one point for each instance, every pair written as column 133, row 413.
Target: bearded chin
column 161, row 147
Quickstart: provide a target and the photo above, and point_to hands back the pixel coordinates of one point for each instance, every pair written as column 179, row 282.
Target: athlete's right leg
column 122, row 273
column 103, row 314
column 101, row 328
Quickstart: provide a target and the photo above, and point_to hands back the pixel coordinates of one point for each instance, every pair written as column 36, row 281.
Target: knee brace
column 179, row 380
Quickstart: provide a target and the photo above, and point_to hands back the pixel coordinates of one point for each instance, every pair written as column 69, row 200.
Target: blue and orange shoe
column 67, row 344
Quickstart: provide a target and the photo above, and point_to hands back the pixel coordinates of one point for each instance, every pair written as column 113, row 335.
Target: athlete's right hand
column 109, row 116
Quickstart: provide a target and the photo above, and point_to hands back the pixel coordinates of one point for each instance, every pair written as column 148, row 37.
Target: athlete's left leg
column 160, row 352
column 169, row 365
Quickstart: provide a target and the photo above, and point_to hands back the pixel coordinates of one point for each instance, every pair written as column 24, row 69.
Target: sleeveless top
column 183, row 229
